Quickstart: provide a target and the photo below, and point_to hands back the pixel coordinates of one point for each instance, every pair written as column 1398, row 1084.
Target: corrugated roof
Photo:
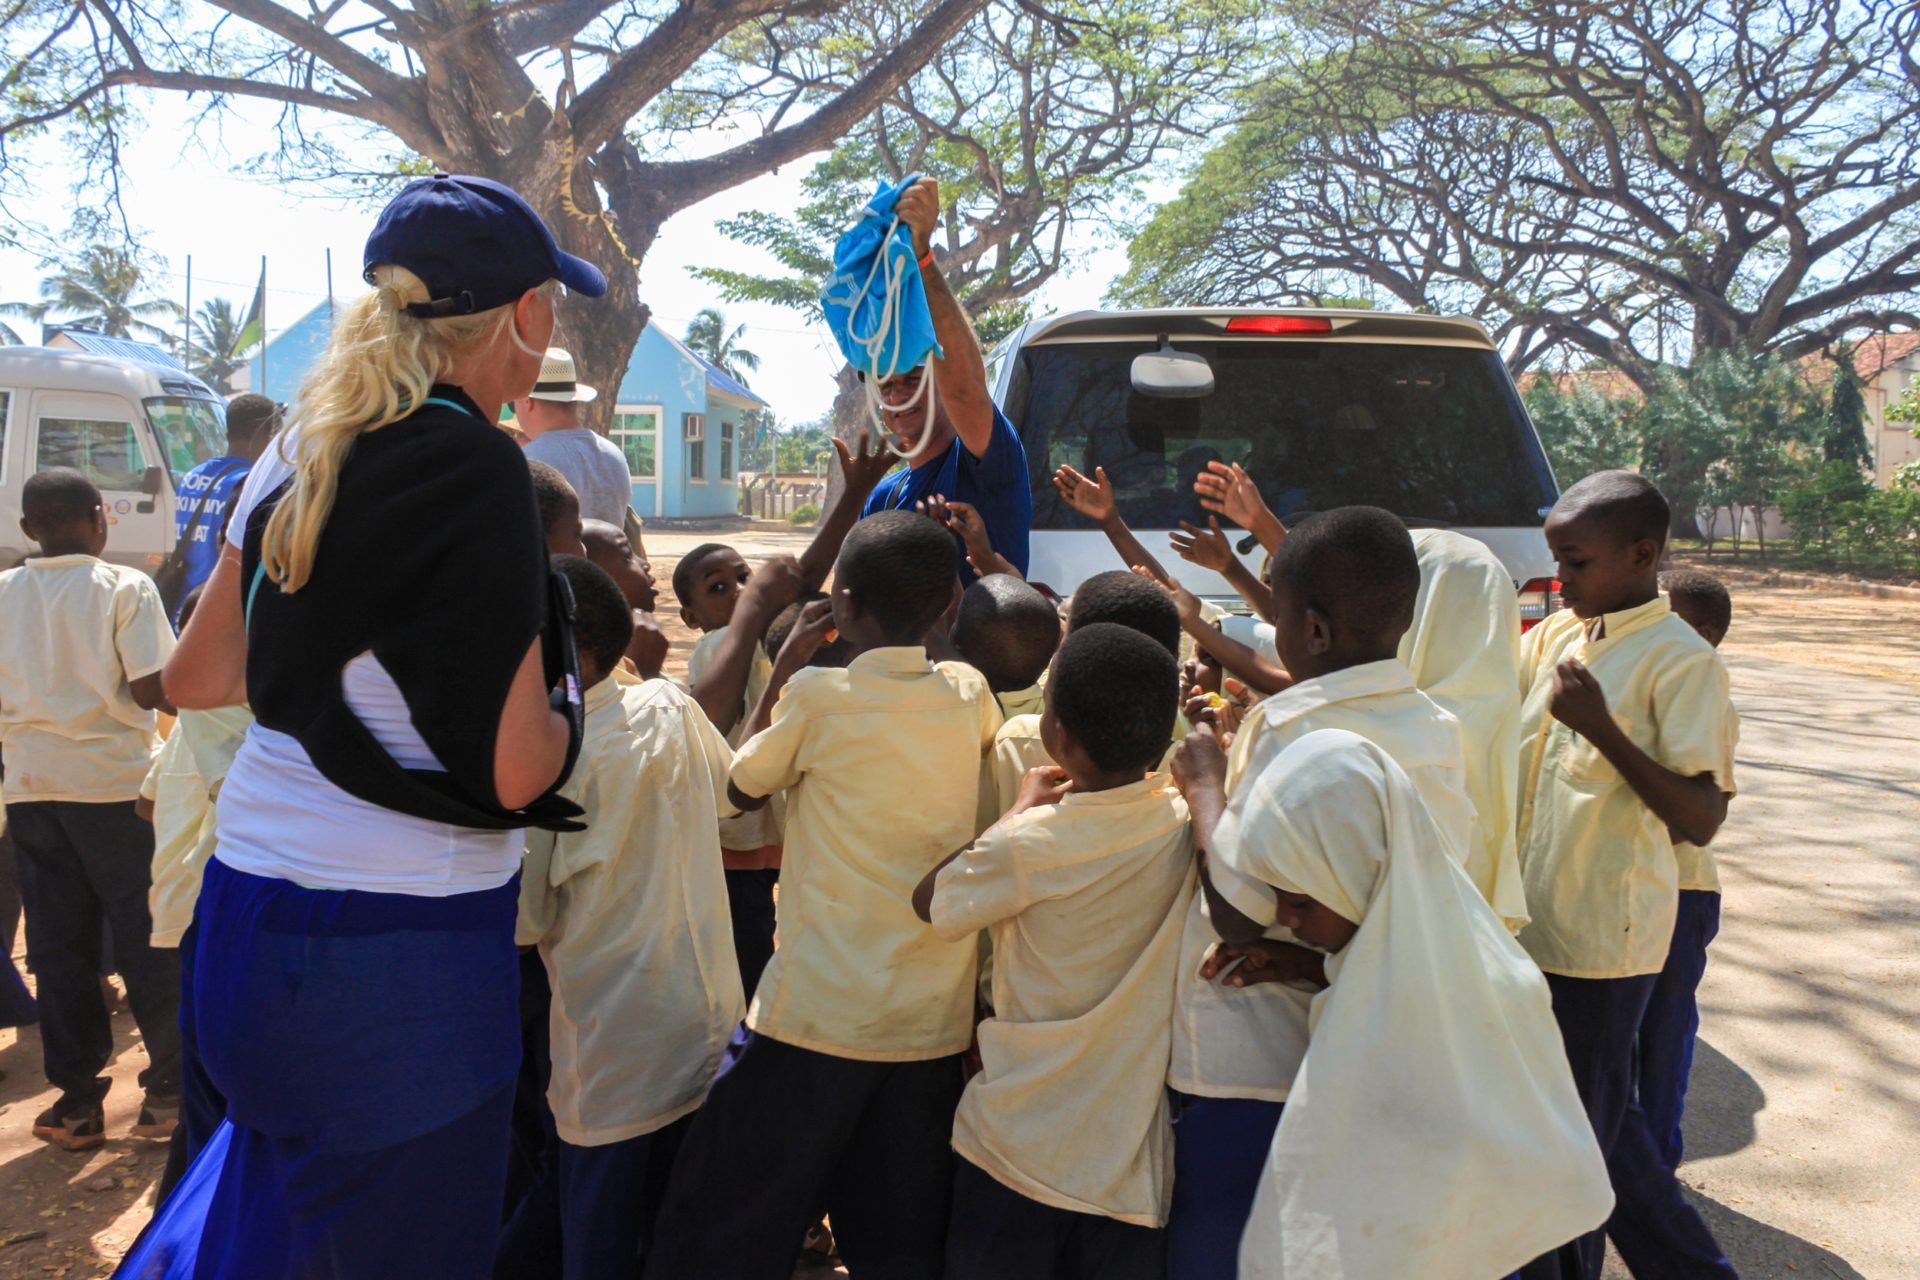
column 121, row 348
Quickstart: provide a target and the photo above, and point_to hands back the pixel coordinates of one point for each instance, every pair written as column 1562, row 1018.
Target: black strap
column 178, row 556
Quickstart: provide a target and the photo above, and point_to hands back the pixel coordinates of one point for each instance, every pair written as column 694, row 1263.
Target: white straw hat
column 557, row 381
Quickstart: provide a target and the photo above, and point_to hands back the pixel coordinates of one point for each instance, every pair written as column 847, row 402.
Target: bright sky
column 187, row 198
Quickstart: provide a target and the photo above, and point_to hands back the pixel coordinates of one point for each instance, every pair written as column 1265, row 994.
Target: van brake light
column 1279, row 324
column 1538, row 598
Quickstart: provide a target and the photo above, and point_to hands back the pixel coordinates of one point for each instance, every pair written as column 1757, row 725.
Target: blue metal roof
column 719, row 379
column 121, row 348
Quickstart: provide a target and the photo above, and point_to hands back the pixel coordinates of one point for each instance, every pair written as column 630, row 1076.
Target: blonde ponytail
column 378, row 367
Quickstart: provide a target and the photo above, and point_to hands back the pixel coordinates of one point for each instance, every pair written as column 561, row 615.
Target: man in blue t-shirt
column 206, row 493
column 975, row 455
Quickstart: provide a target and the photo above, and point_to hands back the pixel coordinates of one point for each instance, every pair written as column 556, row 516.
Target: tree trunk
column 850, row 423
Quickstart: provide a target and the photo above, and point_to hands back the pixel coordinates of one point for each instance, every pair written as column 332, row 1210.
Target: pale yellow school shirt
column 1699, row 872
column 631, row 918
column 184, row 785
column 881, row 763
column 1031, row 700
column 75, row 632
column 1017, row 748
column 1247, row 1042
column 762, row 826
column 1464, row 652
column 1602, row 882
column 1085, row 899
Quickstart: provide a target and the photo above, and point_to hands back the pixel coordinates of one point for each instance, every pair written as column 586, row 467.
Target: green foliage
column 215, row 352
column 1843, row 436
column 1583, row 429
column 803, row 448
column 100, row 289
column 707, row 333
column 1907, row 475
column 808, row 514
column 1825, row 504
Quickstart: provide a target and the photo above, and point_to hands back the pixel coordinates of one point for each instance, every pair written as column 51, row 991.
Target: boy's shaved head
column 1699, row 598
column 1116, row 691
column 602, row 619
column 1356, row 566
column 250, row 417
column 552, row 492
column 1007, row 630
column 59, row 498
column 900, row 566
column 683, row 573
column 1129, row 600
column 1624, row 503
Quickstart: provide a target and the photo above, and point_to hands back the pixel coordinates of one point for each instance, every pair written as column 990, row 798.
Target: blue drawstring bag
column 874, row 300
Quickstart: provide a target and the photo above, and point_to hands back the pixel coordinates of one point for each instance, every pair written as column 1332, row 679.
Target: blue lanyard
column 445, row 403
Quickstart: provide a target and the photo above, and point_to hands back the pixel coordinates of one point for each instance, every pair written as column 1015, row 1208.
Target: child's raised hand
column 648, row 648
column 1220, row 712
column 1187, row 603
column 775, row 583
column 1199, row 763
column 862, row 466
column 814, row 629
column 1198, row 676
column 1091, row 498
column 1206, row 547
column 1226, row 489
column 1044, row 784
column 1578, row 702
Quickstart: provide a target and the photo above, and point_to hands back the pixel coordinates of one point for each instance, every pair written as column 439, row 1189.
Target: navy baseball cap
column 475, row 243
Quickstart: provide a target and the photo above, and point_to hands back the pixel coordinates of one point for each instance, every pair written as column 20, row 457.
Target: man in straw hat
column 592, row 464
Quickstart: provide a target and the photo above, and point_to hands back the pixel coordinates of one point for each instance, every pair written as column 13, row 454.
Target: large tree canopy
column 1630, row 180
column 540, row 95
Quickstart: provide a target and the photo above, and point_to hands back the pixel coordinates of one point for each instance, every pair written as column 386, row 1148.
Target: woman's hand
column 1207, row 547
column 1091, row 498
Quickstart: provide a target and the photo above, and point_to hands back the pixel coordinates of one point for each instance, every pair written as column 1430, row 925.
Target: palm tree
column 707, row 334
column 98, row 292
column 215, row 352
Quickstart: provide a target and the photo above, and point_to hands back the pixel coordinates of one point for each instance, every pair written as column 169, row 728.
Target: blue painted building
column 680, row 419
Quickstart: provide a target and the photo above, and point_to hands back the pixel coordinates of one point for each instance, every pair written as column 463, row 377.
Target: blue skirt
column 366, row 1044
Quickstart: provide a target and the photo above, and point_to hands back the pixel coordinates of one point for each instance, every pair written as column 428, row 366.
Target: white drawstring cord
column 874, row 343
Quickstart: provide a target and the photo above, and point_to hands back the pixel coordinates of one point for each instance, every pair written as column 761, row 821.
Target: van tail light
column 1538, row 598
column 1279, row 324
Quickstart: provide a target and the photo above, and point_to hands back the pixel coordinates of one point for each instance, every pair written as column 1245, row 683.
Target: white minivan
column 133, row 429
column 1324, row 408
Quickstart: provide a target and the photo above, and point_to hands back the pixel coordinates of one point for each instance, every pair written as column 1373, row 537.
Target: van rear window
column 1434, row 434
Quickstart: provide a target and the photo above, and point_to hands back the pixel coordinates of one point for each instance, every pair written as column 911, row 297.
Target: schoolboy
column 610, row 549
column 849, row 1066
column 1115, row 596
column 1344, row 584
column 631, row 921
column 559, row 510
column 1665, row 1055
column 728, row 673
column 1008, row 632
column 832, row 652
column 1064, row 1138
column 1625, row 737
column 82, row 643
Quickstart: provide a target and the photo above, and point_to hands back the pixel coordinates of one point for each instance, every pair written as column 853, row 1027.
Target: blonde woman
column 386, row 607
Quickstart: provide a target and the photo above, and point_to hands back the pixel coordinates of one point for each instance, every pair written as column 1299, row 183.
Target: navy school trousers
column 1220, row 1149
column 1659, row 1234
column 788, row 1133
column 998, row 1234
column 1673, row 1020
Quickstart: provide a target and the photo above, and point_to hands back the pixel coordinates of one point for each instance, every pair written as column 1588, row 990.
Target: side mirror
column 153, row 482
column 1172, row 375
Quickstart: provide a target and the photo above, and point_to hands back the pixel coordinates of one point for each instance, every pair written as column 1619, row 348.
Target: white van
column 1324, row 408
column 133, row 429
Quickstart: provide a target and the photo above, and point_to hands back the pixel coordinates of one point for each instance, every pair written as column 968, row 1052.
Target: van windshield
column 1435, row 435
column 190, row 429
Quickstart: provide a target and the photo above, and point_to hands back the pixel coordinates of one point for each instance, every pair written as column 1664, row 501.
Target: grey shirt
column 593, row 465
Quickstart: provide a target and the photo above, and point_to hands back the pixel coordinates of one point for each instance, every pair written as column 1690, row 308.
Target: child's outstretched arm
column 862, row 468
column 722, row 688
column 808, row 634
column 1210, row 549
column 1235, row 658
column 1692, row 807
column 1200, row 771
column 1226, row 489
column 1094, row 500
column 964, row 520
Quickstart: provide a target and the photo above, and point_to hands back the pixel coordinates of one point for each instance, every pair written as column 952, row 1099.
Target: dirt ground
column 1803, row 1149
